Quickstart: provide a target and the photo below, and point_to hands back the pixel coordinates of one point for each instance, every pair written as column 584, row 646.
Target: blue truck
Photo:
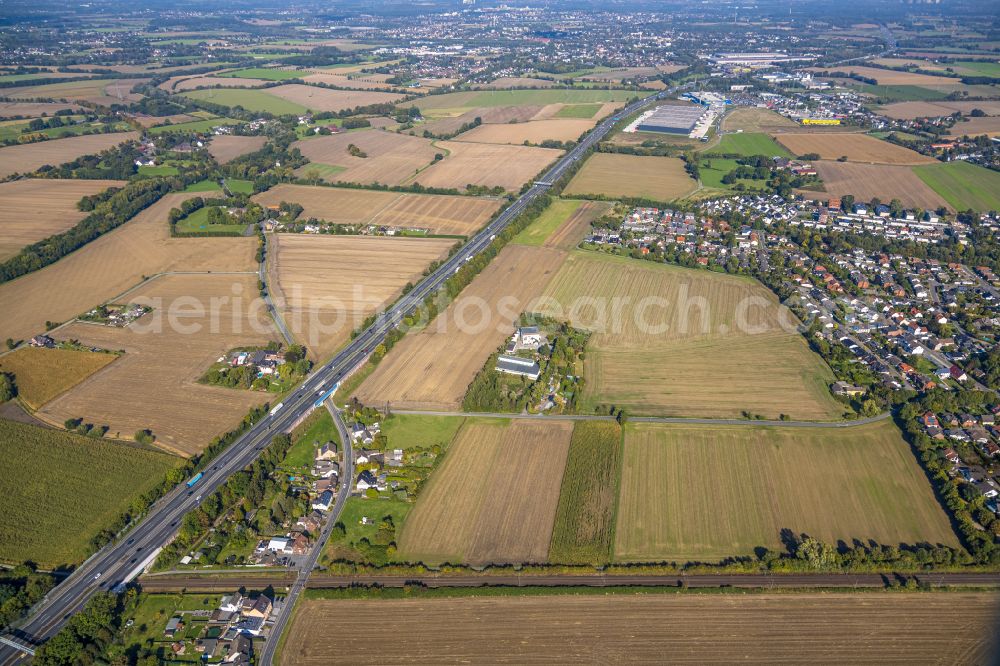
column 195, row 479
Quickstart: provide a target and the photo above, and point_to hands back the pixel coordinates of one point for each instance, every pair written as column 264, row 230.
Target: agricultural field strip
column 767, row 628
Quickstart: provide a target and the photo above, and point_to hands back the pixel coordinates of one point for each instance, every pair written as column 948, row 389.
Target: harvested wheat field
column 38, row 208
column 488, row 165
column 704, row 493
column 614, row 175
column 911, row 110
column 500, row 115
column 33, row 109
column 391, row 159
column 856, row 147
column 356, row 81
column 155, row 383
column 867, row 181
column 315, row 98
column 104, row 92
column 28, row 157
column 42, row 374
column 433, row 368
column 671, row 341
column 438, row 214
column 533, row 131
column 226, row 148
column 814, row 628
column 494, row 498
column 326, row 285
column 988, row 125
column 109, row 265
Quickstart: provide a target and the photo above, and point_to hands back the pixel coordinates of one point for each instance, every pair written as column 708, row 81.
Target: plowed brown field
column 867, row 181
column 494, row 498
column 814, row 628
column 227, row 148
column 154, row 384
column 34, row 209
column 433, row 368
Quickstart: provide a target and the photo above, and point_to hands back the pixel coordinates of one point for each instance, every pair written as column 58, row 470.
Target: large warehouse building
column 672, row 119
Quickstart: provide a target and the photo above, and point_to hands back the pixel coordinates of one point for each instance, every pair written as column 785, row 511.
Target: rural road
column 116, row 563
column 656, row 419
column 306, row 567
column 745, row 581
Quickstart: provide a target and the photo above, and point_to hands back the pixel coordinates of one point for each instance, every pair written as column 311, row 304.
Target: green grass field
column 251, row 100
column 578, row 111
column 237, row 186
column 267, row 73
column 160, row 170
column 749, row 143
column 713, row 169
column 896, row 93
column 317, row 430
column 585, row 518
column 59, row 490
column 325, row 171
column 538, row 231
column 979, row 68
column 198, row 222
column 963, row 185
column 193, row 126
column 405, row 431
column 207, row 185
column 703, row 493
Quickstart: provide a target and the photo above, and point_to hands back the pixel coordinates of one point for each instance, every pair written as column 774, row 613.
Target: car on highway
column 99, row 573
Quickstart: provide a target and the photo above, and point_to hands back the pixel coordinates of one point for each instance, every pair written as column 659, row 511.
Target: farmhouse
column 515, row 365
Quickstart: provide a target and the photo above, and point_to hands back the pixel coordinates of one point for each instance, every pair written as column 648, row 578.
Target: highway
column 116, row 562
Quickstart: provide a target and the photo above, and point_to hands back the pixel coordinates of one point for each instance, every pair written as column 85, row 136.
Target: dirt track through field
column 824, row 628
column 433, row 368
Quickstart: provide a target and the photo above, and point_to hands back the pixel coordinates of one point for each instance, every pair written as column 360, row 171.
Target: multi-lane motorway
column 118, row 562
